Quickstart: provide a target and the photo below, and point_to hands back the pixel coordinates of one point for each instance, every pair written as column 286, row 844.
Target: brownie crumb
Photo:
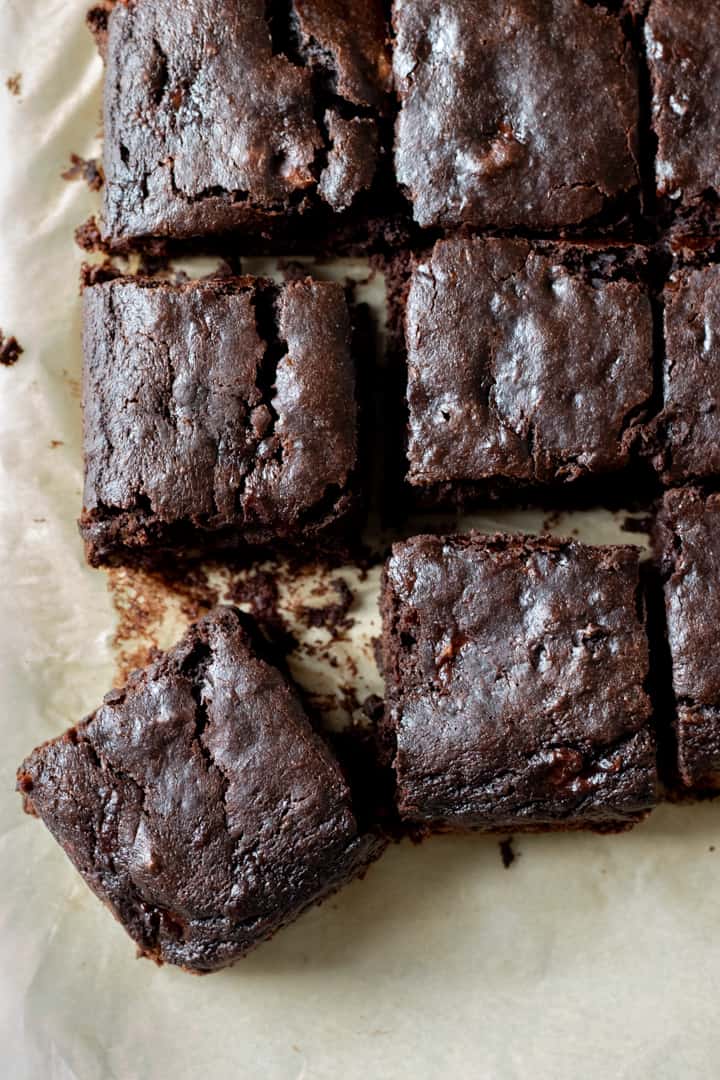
column 95, row 274
column 711, row 848
column 54, row 443
column 332, row 616
column 87, row 169
column 507, row 854
column 259, row 590
column 87, row 236
column 10, row 350
column 14, row 84
column 637, row 525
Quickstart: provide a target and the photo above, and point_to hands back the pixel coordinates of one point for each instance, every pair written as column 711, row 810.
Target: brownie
column 688, row 547
column 515, row 675
column 217, row 414
column 688, row 428
column 527, row 365
column 221, row 115
column 681, row 45
column 198, row 803
column 521, row 113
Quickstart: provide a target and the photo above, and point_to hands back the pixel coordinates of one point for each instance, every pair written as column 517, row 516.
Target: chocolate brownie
column 515, row 675
column 688, row 428
column 217, row 413
column 681, row 45
column 222, row 115
column 688, row 546
column 198, row 802
column 527, row 364
column 520, row 113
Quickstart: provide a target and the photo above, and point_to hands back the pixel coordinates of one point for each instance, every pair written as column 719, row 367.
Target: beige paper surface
column 591, row 957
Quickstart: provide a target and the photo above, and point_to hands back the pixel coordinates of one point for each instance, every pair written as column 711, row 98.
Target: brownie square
column 515, row 675
column 198, row 803
column 223, row 115
column 217, row 414
column 681, row 45
column 688, row 428
column 688, row 546
column 527, row 365
column 515, row 113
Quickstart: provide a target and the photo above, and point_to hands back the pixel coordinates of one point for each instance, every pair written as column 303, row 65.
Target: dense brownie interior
column 198, row 803
column 688, row 547
column 216, row 413
column 515, row 681
column 527, row 363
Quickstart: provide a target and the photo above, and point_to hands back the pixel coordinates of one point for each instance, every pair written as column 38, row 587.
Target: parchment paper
column 588, row 957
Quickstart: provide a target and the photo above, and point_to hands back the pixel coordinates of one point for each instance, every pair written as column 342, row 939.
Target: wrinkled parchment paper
column 591, row 957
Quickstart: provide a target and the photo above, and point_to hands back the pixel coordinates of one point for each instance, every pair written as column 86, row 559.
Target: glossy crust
column 515, row 672
column 688, row 429
column 688, row 546
column 216, row 414
column 682, row 50
column 213, row 111
column 521, row 113
column 525, row 364
column 198, row 803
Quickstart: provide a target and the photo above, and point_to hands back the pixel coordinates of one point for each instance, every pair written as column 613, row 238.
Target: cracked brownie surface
column 687, row 543
column 530, row 364
column 515, row 671
column 522, row 113
column 222, row 115
column 216, row 413
column 198, row 803
column 688, row 428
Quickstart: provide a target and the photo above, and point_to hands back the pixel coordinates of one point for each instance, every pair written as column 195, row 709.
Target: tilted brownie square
column 688, row 428
column 515, row 675
column 222, row 115
column 682, row 53
column 526, row 365
column 198, row 803
column 514, row 113
column 217, row 414
column 688, row 547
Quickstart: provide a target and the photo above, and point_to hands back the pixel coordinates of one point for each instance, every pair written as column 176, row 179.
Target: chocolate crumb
column 259, row 591
column 86, row 169
column 14, row 84
column 711, row 848
column 88, row 237
column 507, row 854
column 10, row 350
column 96, row 273
column 331, row 616
column 54, row 443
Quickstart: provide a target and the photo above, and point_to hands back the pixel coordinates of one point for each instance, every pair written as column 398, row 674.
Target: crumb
column 10, row 350
column 87, row 236
column 258, row 589
column 551, row 521
column 54, row 443
column 86, row 169
column 331, row 616
column 95, row 273
column 73, row 383
column 14, row 84
column 711, row 848
column 39, row 521
column 507, row 854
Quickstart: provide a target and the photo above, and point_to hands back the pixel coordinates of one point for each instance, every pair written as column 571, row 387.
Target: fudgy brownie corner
column 218, row 414
column 515, row 673
column 221, row 116
column 514, row 114
column 198, row 803
column 529, row 365
column 687, row 546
